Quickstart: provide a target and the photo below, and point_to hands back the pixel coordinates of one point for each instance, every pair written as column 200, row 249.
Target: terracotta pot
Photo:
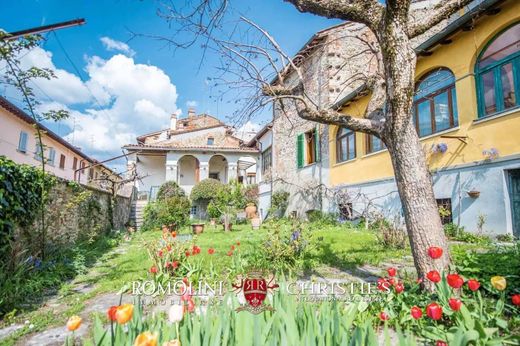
column 255, row 223
column 250, row 211
column 197, row 228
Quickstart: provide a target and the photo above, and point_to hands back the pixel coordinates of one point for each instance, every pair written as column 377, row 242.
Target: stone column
column 232, row 171
column 171, row 173
column 203, row 170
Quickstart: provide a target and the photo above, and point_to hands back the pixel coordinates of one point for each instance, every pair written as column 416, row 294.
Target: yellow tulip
column 73, row 323
column 146, row 339
column 499, row 282
column 124, row 313
column 175, row 342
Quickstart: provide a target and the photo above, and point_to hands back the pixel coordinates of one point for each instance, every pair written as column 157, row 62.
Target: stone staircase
column 137, row 213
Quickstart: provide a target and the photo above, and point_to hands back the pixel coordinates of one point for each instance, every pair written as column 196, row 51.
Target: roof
column 457, row 22
column 15, row 110
column 192, row 122
column 259, row 134
column 153, row 147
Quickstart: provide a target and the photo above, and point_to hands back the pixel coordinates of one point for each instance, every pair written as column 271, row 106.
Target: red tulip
column 169, row 247
column 230, row 253
column 383, row 316
column 435, row 252
column 399, row 287
column 391, row 281
column 455, row 280
column 153, row 270
column 111, row 313
column 416, row 312
column 191, row 305
column 211, row 251
column 196, row 250
column 441, row 343
column 515, row 299
column 434, row 276
column 434, row 311
column 160, row 253
column 473, row 285
column 455, row 304
column 175, row 264
column 391, row 271
column 185, row 280
column 232, row 247
column 187, row 253
column 238, row 243
column 167, row 265
column 383, row 285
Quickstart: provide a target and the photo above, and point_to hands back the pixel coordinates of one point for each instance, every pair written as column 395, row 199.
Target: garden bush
column 389, row 234
column 170, row 189
column 279, row 203
column 322, row 219
column 455, row 232
column 173, row 212
column 251, row 194
column 205, row 190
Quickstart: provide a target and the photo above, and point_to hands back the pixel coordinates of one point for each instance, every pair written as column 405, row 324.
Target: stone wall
column 77, row 212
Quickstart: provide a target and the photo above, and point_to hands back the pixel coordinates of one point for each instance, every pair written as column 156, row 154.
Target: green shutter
column 317, row 148
column 299, row 151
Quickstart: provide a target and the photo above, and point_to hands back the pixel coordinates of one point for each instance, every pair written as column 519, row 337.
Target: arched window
column 345, row 145
column 435, row 103
column 498, row 73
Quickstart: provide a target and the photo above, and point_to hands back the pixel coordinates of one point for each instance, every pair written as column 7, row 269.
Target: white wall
column 153, row 169
column 488, row 178
column 186, row 168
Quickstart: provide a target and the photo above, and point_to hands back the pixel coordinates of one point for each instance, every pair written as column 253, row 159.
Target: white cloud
column 248, row 130
column 114, row 45
column 192, row 104
column 65, row 88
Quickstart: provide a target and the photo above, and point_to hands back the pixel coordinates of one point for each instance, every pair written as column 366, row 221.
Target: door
column 514, row 197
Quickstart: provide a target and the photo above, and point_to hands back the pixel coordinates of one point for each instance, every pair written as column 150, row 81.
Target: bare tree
column 253, row 61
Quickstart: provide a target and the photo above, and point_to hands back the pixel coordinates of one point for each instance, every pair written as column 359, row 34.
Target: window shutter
column 22, row 144
column 52, row 156
column 299, row 151
column 317, row 148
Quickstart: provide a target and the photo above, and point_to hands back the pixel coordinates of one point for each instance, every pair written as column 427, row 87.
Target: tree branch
column 368, row 12
column 440, row 12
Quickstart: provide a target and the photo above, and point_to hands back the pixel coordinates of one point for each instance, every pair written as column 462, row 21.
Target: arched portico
column 218, row 168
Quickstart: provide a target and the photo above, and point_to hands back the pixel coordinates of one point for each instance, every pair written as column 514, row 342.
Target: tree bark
column 412, row 176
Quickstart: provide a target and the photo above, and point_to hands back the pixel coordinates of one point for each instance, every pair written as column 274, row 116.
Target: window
column 435, row 103
column 193, row 210
column 38, row 152
column 346, row 212
column 374, row 144
column 211, row 140
column 267, row 157
column 444, row 205
column 214, row 176
column 90, row 173
column 62, row 161
column 498, row 73
column 22, row 142
column 52, row 156
column 345, row 145
column 251, row 178
column 307, row 148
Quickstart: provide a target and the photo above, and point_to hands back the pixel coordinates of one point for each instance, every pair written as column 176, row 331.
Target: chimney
column 191, row 112
column 173, row 122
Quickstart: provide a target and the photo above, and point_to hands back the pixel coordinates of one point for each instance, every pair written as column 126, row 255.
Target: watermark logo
column 255, row 289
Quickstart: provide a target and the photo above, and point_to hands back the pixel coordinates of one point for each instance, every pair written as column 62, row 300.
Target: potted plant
column 250, row 210
column 474, row 193
column 197, row 227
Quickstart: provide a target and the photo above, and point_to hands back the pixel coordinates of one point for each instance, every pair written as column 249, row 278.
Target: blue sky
column 122, row 79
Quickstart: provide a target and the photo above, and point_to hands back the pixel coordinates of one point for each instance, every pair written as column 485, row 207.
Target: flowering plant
column 439, row 148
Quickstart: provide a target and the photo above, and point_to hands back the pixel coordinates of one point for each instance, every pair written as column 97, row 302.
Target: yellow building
column 467, row 114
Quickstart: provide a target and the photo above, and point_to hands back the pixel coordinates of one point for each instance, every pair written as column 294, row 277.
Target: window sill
column 308, row 165
column 344, row 162
column 374, row 153
column 21, row 151
column 496, row 115
column 440, row 133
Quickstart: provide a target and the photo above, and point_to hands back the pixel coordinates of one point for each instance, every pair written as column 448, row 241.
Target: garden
column 475, row 302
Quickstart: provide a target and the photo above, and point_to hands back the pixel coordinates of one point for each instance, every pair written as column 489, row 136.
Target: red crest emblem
column 255, row 289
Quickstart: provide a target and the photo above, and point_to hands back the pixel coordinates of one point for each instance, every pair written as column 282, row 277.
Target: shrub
column 279, row 203
column 455, row 232
column 390, row 235
column 251, row 194
column 226, row 202
column 173, row 211
column 322, row 219
column 205, row 190
column 170, row 189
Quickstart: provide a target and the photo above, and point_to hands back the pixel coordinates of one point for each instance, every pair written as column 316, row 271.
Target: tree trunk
column 412, row 176
column 420, row 210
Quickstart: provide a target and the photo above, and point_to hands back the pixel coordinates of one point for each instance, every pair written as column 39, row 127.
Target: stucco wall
column 490, row 179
